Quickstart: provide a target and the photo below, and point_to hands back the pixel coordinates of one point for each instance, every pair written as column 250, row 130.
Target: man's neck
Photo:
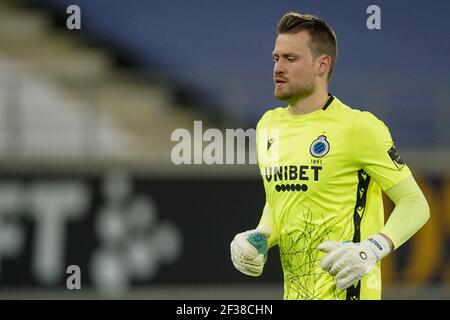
column 309, row 104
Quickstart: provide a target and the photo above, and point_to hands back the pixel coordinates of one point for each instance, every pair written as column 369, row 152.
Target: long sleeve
column 411, row 211
column 267, row 220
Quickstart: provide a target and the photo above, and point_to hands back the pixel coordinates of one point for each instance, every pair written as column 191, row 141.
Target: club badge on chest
column 319, row 147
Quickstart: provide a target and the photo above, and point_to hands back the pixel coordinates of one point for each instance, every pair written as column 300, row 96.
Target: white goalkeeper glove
column 348, row 262
column 249, row 250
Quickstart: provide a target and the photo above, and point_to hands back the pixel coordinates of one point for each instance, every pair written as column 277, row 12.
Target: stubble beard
column 297, row 93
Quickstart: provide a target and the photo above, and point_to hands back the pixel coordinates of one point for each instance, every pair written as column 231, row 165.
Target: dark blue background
column 223, row 49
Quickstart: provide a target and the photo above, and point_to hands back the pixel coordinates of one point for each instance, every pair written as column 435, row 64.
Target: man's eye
column 275, row 59
column 291, row 59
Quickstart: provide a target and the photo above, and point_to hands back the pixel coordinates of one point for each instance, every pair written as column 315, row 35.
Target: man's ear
column 323, row 64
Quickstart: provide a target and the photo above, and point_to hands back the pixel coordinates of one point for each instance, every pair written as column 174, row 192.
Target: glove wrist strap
column 380, row 246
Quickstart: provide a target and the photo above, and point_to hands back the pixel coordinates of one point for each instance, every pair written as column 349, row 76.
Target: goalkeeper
column 324, row 166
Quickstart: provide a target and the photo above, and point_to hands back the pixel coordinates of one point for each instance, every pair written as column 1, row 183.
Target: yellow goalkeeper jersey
column 323, row 174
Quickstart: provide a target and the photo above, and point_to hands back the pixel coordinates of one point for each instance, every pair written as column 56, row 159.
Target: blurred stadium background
column 86, row 118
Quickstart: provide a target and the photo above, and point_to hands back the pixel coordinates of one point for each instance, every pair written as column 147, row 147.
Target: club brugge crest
column 320, row 147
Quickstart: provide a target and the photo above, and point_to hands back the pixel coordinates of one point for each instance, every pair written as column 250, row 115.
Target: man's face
column 293, row 72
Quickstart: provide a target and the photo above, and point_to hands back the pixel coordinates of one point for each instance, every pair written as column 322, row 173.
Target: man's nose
column 278, row 68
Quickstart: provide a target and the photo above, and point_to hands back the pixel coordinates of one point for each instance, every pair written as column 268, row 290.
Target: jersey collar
column 329, row 101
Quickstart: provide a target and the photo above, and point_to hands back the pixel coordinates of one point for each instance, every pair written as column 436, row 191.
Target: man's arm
column 411, row 212
column 268, row 221
column 249, row 249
